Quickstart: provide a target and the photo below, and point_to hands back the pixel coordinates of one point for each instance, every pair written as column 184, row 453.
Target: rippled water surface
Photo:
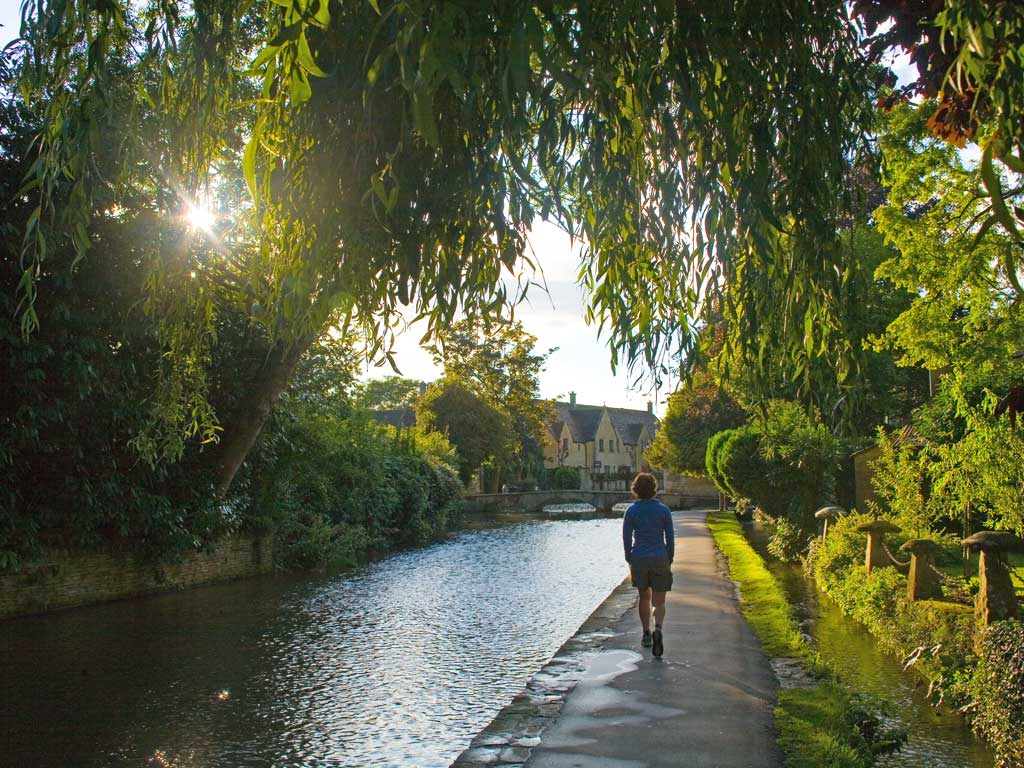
column 400, row 664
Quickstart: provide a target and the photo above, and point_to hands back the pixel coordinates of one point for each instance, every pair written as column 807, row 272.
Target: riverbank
column 60, row 579
column 819, row 721
column 976, row 671
column 710, row 696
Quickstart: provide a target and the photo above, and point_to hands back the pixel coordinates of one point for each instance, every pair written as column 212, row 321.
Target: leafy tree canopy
column 389, row 392
column 695, row 412
column 395, row 153
column 498, row 362
column 478, row 431
column 968, row 315
column 966, row 324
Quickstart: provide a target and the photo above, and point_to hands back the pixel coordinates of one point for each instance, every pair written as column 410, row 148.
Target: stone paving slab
column 605, row 702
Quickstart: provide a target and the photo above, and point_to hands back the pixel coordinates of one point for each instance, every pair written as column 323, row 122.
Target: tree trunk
column 254, row 410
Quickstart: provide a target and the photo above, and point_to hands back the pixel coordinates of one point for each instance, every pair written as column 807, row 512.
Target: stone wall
column 863, row 472
column 69, row 579
column 688, row 486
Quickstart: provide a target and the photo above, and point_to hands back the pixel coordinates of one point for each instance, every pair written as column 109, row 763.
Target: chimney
column 572, row 398
column 650, row 407
column 423, row 388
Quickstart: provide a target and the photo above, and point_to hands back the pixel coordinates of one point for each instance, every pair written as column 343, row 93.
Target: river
column 398, row 664
column 937, row 738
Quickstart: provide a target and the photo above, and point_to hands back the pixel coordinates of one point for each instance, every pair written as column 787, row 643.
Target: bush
column 788, row 541
column 562, row 479
column 785, row 462
column 997, row 688
column 801, row 458
column 715, row 443
column 341, row 490
column 830, row 559
column 310, row 540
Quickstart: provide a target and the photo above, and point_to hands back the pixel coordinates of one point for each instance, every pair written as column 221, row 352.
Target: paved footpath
column 707, row 702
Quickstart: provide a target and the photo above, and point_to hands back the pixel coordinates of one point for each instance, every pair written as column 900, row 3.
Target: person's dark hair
column 645, row 485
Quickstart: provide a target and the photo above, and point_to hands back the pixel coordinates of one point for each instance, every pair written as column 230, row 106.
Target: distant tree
column 478, row 431
column 498, row 362
column 695, row 412
column 326, row 376
column 389, row 392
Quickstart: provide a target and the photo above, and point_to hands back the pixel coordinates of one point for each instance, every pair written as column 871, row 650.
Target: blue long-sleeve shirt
column 647, row 530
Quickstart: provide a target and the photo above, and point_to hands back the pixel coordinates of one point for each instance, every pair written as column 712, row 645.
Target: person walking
column 649, row 544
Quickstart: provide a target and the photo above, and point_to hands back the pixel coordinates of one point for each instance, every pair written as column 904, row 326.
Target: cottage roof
column 395, row 417
column 555, row 428
column 583, row 421
column 630, row 423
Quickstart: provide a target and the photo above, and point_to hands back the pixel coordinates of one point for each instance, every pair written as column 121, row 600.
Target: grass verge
column 817, row 726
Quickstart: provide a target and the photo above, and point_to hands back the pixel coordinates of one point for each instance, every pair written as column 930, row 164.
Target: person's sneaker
column 658, row 647
column 646, row 640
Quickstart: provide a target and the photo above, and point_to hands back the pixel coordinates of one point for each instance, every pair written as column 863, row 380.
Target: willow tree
column 396, row 152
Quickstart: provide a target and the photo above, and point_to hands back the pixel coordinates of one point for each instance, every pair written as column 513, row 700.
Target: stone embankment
column 61, row 579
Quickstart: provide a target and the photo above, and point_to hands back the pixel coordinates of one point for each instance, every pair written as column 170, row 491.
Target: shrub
column 997, row 688
column 784, row 461
column 310, row 540
column 829, row 560
column 339, row 490
column 801, row 459
column 837, row 564
column 740, row 466
column 788, row 541
column 898, row 479
column 715, row 443
column 562, row 479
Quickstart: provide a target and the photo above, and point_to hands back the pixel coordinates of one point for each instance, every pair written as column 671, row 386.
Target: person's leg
column 658, row 599
column 657, row 641
column 644, row 607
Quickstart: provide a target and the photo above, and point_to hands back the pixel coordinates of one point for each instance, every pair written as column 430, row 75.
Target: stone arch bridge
column 533, row 502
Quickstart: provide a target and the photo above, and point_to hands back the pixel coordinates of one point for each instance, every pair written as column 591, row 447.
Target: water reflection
column 398, row 665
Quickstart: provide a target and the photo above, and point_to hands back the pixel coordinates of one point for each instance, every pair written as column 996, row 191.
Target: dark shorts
column 653, row 572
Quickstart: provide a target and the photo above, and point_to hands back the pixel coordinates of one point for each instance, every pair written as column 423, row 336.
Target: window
column 608, row 469
column 600, row 445
column 565, row 445
column 579, row 447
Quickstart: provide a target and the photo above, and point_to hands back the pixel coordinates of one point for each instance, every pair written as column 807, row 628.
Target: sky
column 581, row 362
